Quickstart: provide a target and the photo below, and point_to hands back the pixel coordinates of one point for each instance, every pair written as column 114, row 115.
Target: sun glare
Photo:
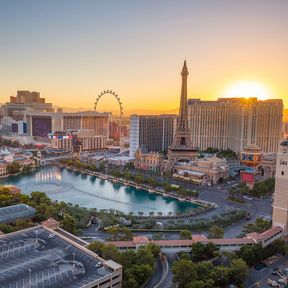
column 247, row 89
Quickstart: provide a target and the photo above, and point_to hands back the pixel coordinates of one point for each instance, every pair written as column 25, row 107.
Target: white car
column 98, row 265
column 51, row 236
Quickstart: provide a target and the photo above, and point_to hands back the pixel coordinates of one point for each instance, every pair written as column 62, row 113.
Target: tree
column 220, row 275
column 154, row 249
column 139, row 273
column 120, row 233
column 196, row 284
column 263, row 187
column 152, row 182
column 251, row 254
column 259, row 226
column 211, row 250
column 27, row 168
column 137, row 266
column 198, row 251
column 110, row 252
column 127, row 175
column 13, row 168
column 181, row 278
column 129, row 166
column 68, row 224
column 139, row 179
column 96, row 247
column 216, row 232
column 238, row 271
column 204, row 268
column 185, row 234
column 102, row 166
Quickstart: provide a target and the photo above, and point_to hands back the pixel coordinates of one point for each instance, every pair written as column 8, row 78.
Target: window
column 282, row 173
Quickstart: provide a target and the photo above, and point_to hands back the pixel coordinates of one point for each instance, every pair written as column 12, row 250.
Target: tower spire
column 182, row 147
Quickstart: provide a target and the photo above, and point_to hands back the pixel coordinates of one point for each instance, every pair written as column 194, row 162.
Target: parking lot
column 41, row 259
column 262, row 276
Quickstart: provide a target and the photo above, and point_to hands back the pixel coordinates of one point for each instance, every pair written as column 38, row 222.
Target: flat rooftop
column 40, row 257
column 12, row 213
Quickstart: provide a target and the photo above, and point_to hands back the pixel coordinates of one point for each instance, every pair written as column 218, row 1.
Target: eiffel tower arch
column 182, row 147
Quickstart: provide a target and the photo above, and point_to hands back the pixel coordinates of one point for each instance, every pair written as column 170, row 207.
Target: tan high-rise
column 280, row 205
column 236, row 123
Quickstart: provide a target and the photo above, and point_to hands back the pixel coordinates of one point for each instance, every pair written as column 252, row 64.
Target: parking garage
column 40, row 257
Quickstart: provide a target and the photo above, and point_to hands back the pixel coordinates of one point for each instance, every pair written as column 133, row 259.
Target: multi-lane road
column 163, row 277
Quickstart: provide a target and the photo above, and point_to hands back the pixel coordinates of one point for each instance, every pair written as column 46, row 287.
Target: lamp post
column 30, row 279
column 73, row 267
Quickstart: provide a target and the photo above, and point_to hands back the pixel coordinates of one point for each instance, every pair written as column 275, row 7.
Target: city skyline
column 91, row 47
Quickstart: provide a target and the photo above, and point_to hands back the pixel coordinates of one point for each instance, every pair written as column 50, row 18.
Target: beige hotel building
column 235, row 123
column 280, row 205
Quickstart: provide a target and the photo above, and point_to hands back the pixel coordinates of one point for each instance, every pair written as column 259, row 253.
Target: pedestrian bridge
column 224, row 244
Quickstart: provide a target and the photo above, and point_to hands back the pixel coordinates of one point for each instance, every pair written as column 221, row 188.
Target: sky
column 72, row 50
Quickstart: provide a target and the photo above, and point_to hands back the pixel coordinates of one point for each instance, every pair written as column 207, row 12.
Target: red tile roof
column 140, row 240
column 200, row 238
column 266, row 234
column 50, row 223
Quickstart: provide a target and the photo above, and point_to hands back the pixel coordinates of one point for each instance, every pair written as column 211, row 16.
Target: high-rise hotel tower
column 280, row 205
column 236, row 123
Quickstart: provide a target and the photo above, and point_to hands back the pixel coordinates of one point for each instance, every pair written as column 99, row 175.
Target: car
column 260, row 266
column 98, row 265
column 282, row 281
column 51, row 236
column 273, row 283
column 275, row 270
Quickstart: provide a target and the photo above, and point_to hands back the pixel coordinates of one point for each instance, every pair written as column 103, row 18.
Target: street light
column 36, row 232
column 73, row 267
column 30, row 279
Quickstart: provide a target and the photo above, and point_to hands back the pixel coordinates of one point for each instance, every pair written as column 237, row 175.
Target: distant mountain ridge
column 127, row 112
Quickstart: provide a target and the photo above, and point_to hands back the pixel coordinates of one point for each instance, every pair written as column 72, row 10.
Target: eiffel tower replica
column 182, row 148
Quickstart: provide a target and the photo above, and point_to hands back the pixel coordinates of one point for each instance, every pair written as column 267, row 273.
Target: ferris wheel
column 115, row 95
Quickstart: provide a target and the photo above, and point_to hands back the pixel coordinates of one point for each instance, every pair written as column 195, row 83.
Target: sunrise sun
column 247, row 89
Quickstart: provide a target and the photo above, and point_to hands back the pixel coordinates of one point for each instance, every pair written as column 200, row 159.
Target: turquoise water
column 91, row 192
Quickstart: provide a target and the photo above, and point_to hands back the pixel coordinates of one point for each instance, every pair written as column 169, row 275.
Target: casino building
column 25, row 100
column 235, row 123
column 251, row 157
column 40, row 124
column 77, row 140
